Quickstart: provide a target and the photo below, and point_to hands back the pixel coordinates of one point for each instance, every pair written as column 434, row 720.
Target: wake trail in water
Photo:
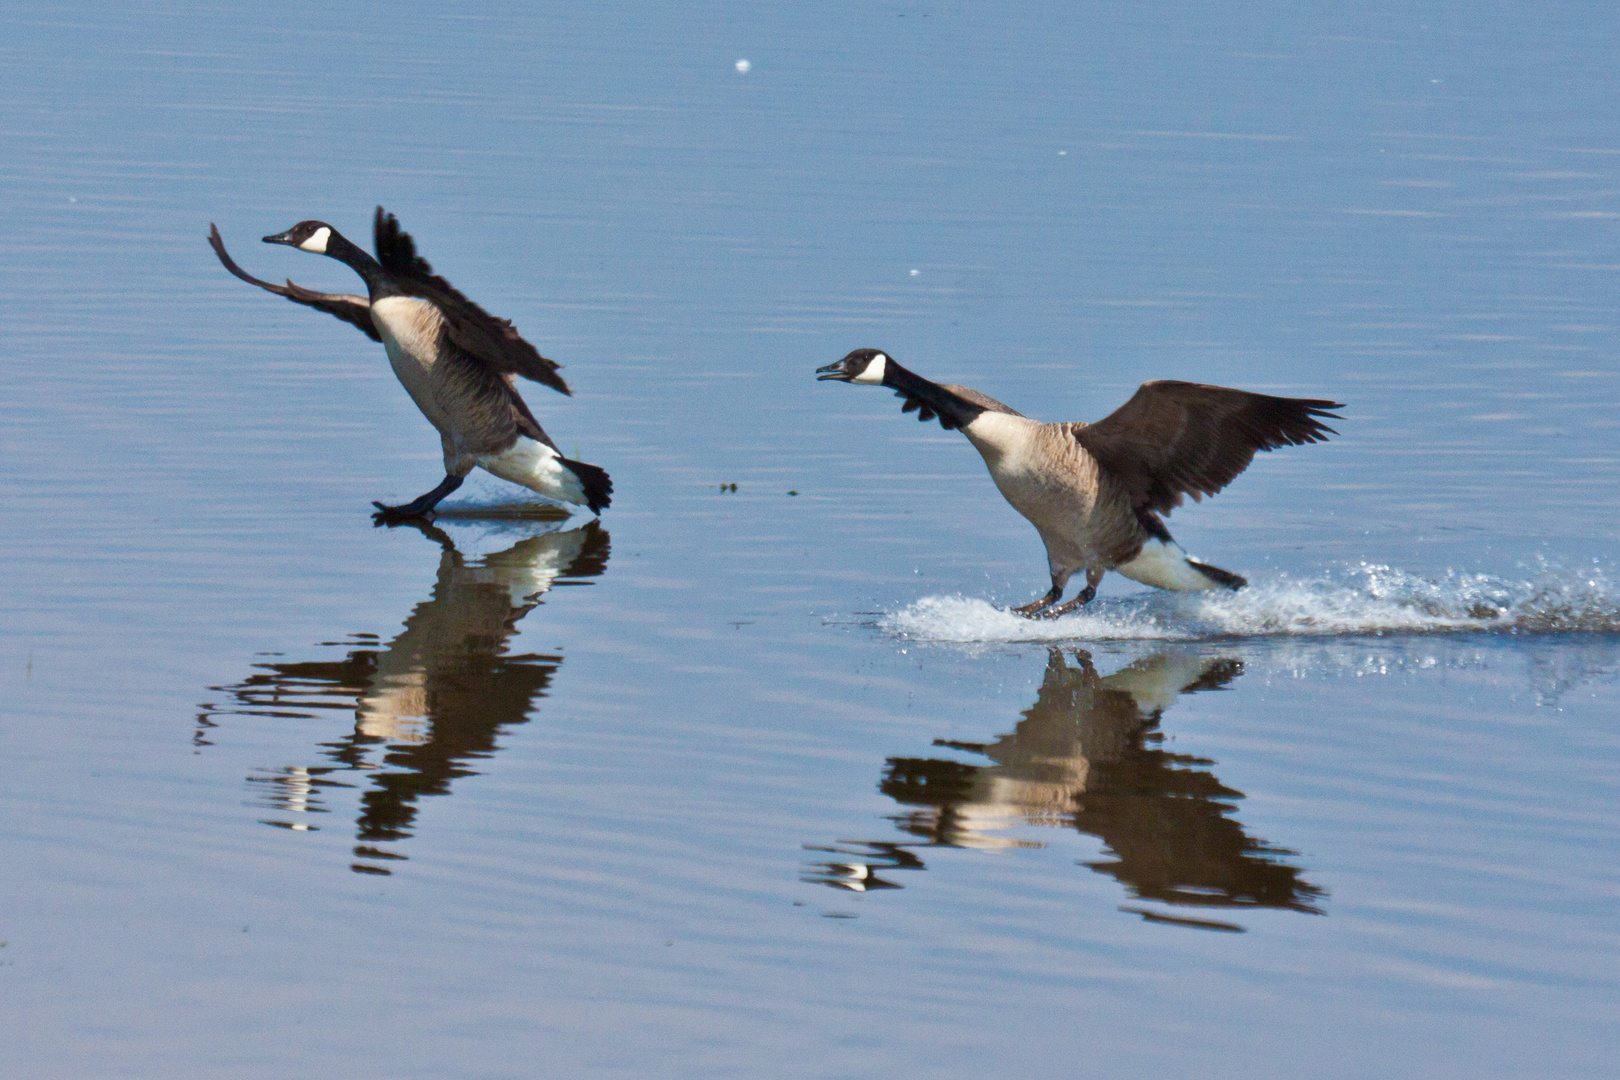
column 1357, row 600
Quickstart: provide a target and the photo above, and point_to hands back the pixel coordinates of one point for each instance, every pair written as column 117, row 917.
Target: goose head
column 306, row 236
column 864, row 366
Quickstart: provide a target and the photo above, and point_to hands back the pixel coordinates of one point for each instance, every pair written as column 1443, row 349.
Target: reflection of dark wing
column 470, row 705
column 1167, row 824
column 472, row 695
column 493, row 341
column 1086, row 754
column 1179, row 438
column 352, row 309
column 435, row 699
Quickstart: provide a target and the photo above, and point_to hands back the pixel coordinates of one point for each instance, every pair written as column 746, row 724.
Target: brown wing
column 352, row 309
column 1178, row 438
column 494, row 341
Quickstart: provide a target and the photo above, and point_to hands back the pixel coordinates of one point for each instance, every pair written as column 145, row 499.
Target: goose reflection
column 428, row 703
column 1088, row 754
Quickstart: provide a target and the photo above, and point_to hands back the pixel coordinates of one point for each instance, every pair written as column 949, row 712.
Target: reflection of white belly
column 537, row 467
column 395, row 708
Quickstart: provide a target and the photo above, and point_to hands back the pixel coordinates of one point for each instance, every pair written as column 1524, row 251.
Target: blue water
column 518, row 795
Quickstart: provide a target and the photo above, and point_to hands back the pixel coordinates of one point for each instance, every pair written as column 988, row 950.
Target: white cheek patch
column 873, row 375
column 317, row 241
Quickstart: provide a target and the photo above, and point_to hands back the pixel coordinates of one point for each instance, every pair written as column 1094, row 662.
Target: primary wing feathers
column 1178, row 438
column 352, row 309
column 492, row 340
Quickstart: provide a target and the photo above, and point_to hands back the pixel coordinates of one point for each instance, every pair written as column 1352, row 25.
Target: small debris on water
column 793, row 493
column 744, row 67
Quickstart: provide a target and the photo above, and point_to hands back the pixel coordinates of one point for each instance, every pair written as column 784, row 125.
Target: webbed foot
column 1033, row 609
column 1087, row 595
column 418, row 508
column 410, row 512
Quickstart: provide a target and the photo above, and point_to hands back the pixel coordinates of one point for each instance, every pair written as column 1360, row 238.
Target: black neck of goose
column 954, row 412
column 360, row 261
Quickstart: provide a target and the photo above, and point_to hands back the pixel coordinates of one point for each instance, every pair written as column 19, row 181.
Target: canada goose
column 456, row 361
column 412, row 715
column 1095, row 491
column 1089, row 755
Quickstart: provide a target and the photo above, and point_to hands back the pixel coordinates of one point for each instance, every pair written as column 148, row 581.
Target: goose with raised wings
column 457, row 361
column 1095, row 492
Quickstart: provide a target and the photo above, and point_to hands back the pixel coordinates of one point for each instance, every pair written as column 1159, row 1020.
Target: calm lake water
column 763, row 782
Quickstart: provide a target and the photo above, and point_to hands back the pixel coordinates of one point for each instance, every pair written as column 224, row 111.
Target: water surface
column 763, row 780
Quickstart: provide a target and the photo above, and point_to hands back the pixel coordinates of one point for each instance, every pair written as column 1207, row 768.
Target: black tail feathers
column 1218, row 576
column 598, row 486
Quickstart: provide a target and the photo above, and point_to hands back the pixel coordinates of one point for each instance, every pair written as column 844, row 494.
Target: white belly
column 537, row 467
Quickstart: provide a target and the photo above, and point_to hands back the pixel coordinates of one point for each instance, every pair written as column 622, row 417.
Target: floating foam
column 1359, row 600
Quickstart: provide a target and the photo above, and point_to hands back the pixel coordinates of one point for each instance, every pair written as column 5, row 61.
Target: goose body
column 455, row 360
column 1095, row 492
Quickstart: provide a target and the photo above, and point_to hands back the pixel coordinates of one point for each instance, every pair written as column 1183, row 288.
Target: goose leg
column 1086, row 595
column 1035, row 607
column 418, row 507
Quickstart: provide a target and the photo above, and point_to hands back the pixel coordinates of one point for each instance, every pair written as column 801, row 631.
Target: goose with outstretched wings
column 457, row 361
column 1095, row 492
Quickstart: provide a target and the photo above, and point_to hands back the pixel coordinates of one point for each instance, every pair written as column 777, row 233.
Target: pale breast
column 1048, row 477
column 410, row 330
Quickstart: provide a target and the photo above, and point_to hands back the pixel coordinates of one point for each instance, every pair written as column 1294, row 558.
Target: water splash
column 1356, row 600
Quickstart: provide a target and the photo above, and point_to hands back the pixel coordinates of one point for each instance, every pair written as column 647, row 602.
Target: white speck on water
column 1063, row 153
column 914, row 273
column 743, row 67
column 72, row 199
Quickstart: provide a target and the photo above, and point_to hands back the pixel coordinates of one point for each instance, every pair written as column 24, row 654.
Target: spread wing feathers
column 983, row 401
column 352, row 309
column 1178, row 438
column 494, row 341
